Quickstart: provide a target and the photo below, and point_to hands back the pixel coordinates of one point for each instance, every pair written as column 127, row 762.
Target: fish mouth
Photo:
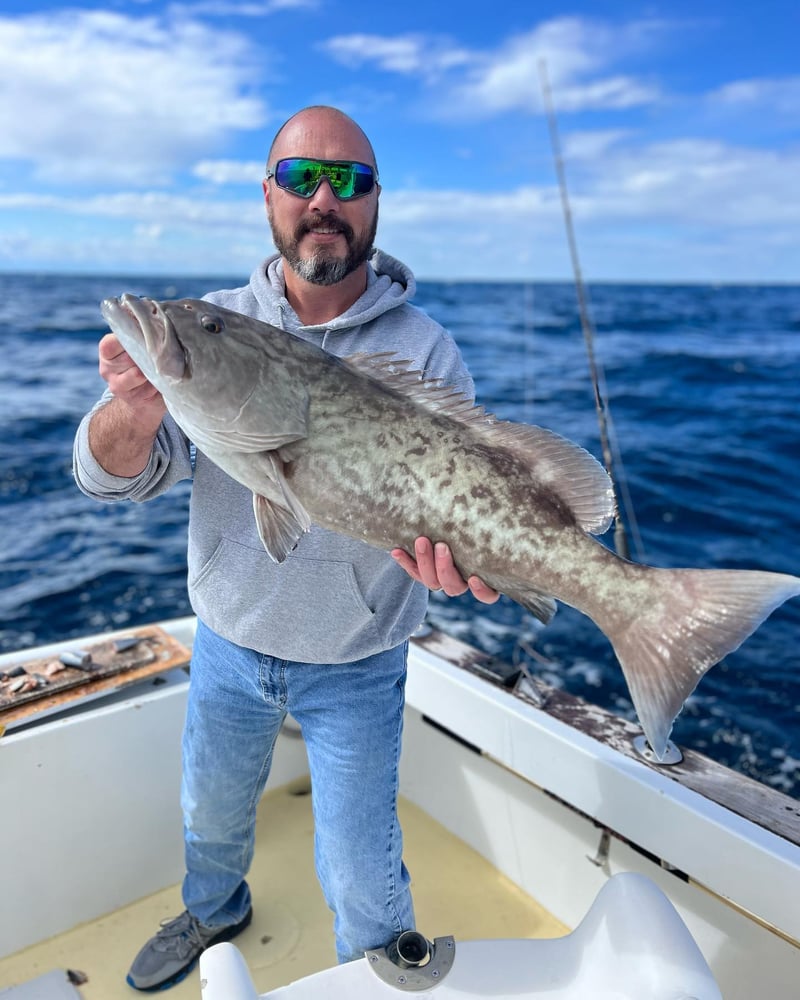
column 140, row 324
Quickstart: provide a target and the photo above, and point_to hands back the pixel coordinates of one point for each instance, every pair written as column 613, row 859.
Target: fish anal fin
column 540, row 605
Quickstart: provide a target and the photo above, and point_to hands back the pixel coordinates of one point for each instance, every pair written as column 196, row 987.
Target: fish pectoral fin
column 280, row 516
column 278, row 527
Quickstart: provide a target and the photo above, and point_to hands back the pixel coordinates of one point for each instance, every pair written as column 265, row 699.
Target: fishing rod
column 610, row 459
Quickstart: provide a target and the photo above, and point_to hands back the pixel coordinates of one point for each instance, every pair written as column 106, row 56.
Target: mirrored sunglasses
column 302, row 176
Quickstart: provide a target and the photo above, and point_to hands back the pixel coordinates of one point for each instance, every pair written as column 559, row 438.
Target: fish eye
column 212, row 324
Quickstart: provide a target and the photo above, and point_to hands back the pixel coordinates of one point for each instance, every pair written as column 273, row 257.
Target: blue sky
column 133, row 134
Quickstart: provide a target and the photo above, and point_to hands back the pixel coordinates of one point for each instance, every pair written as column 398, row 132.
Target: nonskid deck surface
column 456, row 891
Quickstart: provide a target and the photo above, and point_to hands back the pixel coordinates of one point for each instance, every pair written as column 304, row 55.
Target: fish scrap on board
column 369, row 448
column 23, row 682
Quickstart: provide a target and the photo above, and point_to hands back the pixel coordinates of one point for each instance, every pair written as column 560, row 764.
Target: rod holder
column 412, row 963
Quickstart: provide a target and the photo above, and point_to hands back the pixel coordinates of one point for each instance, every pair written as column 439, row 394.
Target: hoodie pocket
column 311, row 610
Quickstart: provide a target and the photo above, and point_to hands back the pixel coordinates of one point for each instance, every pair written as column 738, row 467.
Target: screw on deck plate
column 671, row 755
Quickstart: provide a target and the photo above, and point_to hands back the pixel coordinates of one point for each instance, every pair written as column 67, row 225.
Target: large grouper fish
column 367, row 447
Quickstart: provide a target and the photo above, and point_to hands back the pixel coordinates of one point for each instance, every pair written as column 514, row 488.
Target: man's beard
column 324, row 267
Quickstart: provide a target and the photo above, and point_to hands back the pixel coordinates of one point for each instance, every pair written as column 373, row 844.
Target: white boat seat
column 631, row 945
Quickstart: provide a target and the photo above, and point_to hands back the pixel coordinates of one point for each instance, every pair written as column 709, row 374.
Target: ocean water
column 703, row 390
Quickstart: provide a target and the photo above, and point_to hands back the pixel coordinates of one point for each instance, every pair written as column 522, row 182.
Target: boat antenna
column 610, row 459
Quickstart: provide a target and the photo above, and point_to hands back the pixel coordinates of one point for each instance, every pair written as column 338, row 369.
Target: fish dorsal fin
column 434, row 394
column 567, row 469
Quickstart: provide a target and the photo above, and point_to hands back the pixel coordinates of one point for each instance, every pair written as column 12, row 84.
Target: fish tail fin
column 688, row 621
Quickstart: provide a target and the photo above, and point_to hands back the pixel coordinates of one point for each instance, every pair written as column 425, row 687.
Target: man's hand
column 433, row 565
column 126, row 380
column 121, row 434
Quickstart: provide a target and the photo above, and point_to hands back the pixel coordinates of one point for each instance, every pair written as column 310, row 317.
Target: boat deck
column 456, row 891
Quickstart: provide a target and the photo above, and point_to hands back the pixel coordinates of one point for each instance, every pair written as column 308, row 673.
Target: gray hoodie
column 333, row 599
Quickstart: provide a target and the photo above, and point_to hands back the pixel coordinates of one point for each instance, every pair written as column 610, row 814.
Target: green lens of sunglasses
column 301, row 176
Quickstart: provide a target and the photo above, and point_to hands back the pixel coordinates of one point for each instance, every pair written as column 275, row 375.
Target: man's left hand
column 433, row 565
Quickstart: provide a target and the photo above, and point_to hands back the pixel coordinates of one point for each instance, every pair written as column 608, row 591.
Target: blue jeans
column 351, row 715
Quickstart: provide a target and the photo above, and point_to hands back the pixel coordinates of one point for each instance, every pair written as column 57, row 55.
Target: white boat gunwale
column 572, row 754
column 740, row 844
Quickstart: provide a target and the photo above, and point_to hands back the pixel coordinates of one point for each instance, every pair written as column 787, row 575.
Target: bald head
column 324, row 239
column 322, row 132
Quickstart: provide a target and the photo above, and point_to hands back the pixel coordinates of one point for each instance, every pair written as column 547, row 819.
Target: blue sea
column 702, row 383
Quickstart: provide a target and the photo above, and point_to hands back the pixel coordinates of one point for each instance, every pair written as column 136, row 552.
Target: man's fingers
column 452, row 582
column 426, row 564
column 403, row 559
column 482, row 591
column 110, row 349
column 435, row 568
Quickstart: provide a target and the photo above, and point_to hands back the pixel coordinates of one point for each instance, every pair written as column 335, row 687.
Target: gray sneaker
column 170, row 956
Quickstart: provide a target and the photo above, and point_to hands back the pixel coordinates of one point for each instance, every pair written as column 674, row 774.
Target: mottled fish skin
column 365, row 447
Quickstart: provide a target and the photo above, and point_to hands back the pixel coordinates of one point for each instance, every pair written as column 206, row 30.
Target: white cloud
column 575, row 55
column 243, row 8
column 230, row 171
column 611, row 92
column 125, row 104
column 576, row 52
column 154, row 231
column 147, row 208
column 673, row 210
column 144, row 251
column 98, row 96
column 589, row 145
column 777, row 96
column 692, row 182
column 141, row 231
column 685, row 182
column 410, row 55
column 468, row 208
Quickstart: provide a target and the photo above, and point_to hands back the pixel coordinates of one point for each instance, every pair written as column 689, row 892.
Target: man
column 322, row 635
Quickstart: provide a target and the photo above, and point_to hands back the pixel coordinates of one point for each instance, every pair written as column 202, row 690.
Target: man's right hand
column 126, row 380
column 433, row 566
column 121, row 434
